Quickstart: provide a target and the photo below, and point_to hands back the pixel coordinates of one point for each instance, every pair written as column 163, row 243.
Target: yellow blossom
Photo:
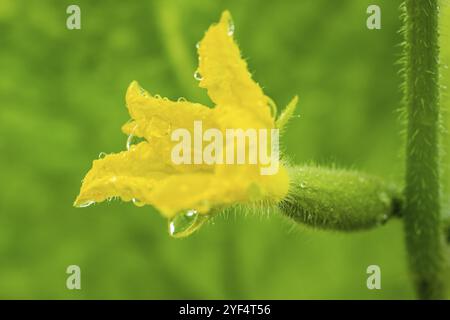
column 146, row 174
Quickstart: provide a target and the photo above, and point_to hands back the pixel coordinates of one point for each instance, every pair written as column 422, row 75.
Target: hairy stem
column 445, row 106
column 422, row 203
column 339, row 199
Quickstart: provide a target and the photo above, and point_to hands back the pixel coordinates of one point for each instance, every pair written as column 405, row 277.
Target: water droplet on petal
column 273, row 108
column 143, row 92
column 137, row 203
column 101, row 155
column 132, row 140
column 85, row 204
column 230, row 30
column 197, row 45
column 185, row 223
column 198, row 76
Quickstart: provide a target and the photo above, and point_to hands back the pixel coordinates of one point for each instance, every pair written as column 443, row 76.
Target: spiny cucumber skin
column 342, row 200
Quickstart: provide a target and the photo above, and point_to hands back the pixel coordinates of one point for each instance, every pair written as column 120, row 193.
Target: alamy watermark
column 374, row 280
column 373, row 22
column 238, row 146
column 73, row 281
column 74, row 19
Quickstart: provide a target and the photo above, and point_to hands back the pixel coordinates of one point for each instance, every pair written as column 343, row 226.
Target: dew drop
column 181, row 99
column 85, row 204
column 230, row 30
column 273, row 108
column 198, row 76
column 197, row 45
column 143, row 92
column 132, row 140
column 185, row 223
column 137, row 202
column 101, row 155
column 303, row 185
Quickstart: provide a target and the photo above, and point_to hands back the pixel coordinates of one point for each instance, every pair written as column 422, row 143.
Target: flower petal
column 228, row 185
column 224, row 73
column 128, row 174
column 157, row 117
column 199, row 191
column 183, row 192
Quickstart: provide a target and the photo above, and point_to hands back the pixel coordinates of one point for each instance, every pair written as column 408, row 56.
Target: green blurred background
column 62, row 103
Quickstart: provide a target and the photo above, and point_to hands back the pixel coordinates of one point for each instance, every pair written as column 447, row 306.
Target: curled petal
column 157, row 117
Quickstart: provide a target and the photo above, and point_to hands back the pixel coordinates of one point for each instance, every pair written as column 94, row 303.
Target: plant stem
column 339, row 199
column 422, row 207
column 444, row 26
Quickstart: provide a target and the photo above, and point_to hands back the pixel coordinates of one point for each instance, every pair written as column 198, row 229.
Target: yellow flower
column 146, row 174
